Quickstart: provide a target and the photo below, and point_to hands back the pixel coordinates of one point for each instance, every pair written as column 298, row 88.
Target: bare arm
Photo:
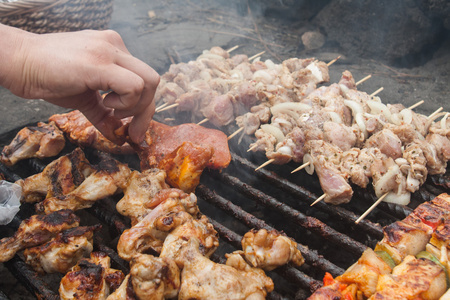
column 68, row 69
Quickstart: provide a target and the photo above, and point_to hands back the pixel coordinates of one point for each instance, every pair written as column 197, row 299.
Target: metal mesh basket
column 44, row 16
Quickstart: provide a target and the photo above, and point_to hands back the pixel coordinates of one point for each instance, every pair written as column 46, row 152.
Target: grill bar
column 251, row 221
column 303, row 194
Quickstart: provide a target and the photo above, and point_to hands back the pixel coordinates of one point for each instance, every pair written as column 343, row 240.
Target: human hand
column 69, row 69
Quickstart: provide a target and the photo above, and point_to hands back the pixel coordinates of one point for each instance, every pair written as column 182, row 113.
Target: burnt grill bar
column 305, row 195
column 253, row 222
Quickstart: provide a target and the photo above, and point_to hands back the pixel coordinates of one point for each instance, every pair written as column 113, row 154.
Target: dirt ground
column 164, row 32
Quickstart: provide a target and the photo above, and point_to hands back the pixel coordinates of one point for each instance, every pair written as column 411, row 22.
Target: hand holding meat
column 68, row 69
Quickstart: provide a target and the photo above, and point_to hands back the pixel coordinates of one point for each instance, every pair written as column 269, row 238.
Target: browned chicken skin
column 62, row 252
column 91, row 279
column 43, row 140
column 37, row 230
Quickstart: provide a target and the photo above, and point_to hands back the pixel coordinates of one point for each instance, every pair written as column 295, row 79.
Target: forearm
column 11, row 43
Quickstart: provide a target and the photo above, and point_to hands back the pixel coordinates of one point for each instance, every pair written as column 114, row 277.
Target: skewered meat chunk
column 150, row 277
column 172, row 207
column 58, row 178
column 412, row 279
column 62, row 252
column 81, row 132
column 37, row 230
column 43, row 140
column 201, row 278
column 91, row 279
column 387, row 142
column 139, row 192
column 110, row 176
column 441, row 236
column 270, row 249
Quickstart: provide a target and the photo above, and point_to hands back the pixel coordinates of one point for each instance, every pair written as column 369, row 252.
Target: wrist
column 12, row 43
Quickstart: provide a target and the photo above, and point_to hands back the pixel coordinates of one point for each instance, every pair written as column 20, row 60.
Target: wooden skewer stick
column 333, row 61
column 233, row 48
column 252, row 147
column 203, row 121
column 301, row 167
column 371, row 208
column 265, row 164
column 235, row 133
column 168, row 107
column 256, row 55
column 377, row 91
column 417, row 104
column 364, row 79
column 319, row 199
column 436, row 112
column 161, row 107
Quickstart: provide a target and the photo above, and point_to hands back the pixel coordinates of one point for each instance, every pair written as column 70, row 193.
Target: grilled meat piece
column 91, row 279
column 58, row 178
column 109, row 177
column 270, row 249
column 172, row 207
column 43, row 140
column 139, row 192
column 80, row 131
column 202, row 278
column 37, row 230
column 63, row 251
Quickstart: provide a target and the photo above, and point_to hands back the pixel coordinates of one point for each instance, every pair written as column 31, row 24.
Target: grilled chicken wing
column 150, row 278
column 59, row 178
column 62, row 252
column 90, row 279
column 202, row 278
column 110, row 176
column 43, row 140
column 139, row 192
column 81, row 132
column 270, row 249
column 173, row 207
column 37, row 230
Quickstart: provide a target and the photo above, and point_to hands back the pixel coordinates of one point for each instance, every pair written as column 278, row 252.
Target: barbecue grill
column 240, row 198
column 236, row 200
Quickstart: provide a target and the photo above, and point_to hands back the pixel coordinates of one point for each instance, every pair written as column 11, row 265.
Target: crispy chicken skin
column 172, row 208
column 139, row 192
column 81, row 132
column 185, row 165
column 91, row 279
column 270, row 249
column 58, row 178
column 37, row 230
column 63, row 251
column 43, row 140
column 202, row 278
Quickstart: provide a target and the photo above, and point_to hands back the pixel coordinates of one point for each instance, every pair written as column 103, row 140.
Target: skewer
column 233, row 48
column 377, row 91
column 371, row 208
column 256, row 55
column 161, row 107
column 417, row 104
column 168, row 107
column 435, row 113
column 265, row 164
column 235, row 133
column 333, row 61
column 203, row 121
column 301, row 167
column 364, row 79
column 319, row 199
column 252, row 147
